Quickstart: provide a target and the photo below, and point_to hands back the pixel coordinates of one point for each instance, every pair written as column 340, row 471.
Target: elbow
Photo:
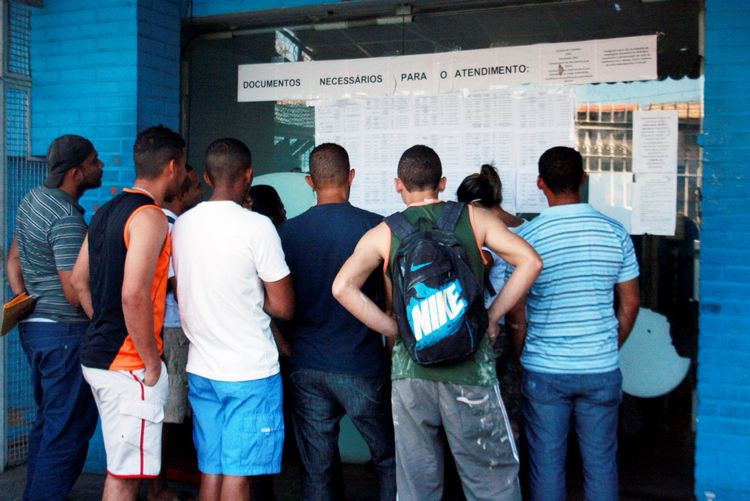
column 73, row 299
column 132, row 301
column 337, row 289
column 634, row 306
column 286, row 312
column 535, row 265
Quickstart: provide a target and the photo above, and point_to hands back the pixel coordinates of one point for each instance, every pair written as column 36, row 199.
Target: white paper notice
column 608, row 60
column 508, row 129
column 612, row 194
column 655, row 141
column 654, row 204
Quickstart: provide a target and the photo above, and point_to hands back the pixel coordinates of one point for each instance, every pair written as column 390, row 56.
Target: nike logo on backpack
column 415, row 267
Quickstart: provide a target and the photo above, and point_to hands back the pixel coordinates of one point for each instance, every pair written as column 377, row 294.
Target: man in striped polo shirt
column 49, row 232
column 569, row 348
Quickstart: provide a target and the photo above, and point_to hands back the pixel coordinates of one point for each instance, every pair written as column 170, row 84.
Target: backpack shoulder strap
column 451, row 213
column 399, row 225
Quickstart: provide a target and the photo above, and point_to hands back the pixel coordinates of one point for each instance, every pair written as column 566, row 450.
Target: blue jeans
column 320, row 399
column 593, row 400
column 65, row 410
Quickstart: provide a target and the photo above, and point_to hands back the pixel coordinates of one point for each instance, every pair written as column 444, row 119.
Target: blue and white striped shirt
column 572, row 327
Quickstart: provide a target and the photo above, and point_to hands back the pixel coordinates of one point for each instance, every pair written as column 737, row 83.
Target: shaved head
column 329, row 165
column 226, row 160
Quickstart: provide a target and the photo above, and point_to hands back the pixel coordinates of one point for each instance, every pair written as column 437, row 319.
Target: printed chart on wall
column 644, row 201
column 507, row 128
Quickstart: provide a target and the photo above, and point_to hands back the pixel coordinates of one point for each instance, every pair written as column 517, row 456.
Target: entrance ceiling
column 371, row 29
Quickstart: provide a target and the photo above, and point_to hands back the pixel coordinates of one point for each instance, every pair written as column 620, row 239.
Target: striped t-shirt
column 572, row 327
column 50, row 230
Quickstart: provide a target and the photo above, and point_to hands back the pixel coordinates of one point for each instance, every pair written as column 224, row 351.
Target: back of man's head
column 154, row 148
column 329, row 165
column 226, row 160
column 561, row 169
column 419, row 168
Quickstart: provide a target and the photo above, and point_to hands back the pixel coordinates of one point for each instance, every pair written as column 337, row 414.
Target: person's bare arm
column 515, row 326
column 284, row 346
column 15, row 275
column 516, row 252
column 629, row 301
column 80, row 280
column 279, row 300
column 370, row 253
column 147, row 232
column 71, row 296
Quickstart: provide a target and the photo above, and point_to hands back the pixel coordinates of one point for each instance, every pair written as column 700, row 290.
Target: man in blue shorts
column 231, row 279
column 569, row 349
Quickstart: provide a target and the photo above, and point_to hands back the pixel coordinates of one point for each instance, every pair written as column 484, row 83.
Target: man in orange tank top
column 121, row 278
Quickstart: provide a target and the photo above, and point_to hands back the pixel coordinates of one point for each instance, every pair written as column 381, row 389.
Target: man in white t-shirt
column 231, row 279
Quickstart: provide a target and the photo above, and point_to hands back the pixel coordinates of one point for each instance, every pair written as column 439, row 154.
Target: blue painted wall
column 722, row 458
column 216, row 7
column 85, row 81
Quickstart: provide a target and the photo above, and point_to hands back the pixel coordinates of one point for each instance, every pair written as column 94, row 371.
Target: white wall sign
column 509, row 129
column 609, row 60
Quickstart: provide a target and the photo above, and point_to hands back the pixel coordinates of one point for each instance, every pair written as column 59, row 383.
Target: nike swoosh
column 416, row 267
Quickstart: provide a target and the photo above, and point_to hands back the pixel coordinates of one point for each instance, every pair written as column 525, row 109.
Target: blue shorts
column 238, row 427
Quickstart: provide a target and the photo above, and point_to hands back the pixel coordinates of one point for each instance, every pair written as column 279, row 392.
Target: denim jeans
column 320, row 399
column 65, row 410
column 592, row 400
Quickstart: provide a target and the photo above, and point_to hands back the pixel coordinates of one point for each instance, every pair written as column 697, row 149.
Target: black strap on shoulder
column 449, row 217
column 399, row 225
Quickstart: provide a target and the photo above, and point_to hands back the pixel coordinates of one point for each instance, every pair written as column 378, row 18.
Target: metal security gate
column 19, row 174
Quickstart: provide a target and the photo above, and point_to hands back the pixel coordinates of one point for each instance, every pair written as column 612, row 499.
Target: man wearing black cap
column 49, row 232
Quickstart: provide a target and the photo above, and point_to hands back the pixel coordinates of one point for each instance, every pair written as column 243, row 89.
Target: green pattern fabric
column 50, row 230
column 479, row 369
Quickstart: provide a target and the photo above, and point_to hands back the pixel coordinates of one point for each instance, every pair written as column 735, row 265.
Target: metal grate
column 21, row 174
column 605, row 139
column 19, row 28
column 294, row 138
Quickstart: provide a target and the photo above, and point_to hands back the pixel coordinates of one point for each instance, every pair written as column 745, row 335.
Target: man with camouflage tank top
column 461, row 399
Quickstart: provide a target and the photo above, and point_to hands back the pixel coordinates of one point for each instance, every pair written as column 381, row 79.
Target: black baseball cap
column 64, row 153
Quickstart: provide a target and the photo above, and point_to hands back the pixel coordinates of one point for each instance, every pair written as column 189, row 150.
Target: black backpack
column 439, row 303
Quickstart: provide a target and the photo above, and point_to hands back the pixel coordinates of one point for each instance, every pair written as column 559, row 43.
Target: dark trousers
column 65, row 410
column 320, row 399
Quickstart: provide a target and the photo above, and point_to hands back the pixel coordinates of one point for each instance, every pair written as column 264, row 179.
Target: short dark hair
column 420, row 169
column 561, row 169
column 329, row 165
column 266, row 201
column 154, row 148
column 484, row 187
column 187, row 182
column 227, row 159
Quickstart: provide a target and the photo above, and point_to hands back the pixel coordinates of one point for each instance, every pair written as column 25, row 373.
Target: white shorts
column 131, row 415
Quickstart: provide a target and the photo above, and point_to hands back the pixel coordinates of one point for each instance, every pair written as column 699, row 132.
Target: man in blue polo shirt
column 339, row 366
column 49, row 232
column 569, row 348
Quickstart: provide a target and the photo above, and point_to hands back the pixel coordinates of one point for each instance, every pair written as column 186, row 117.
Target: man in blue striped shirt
column 569, row 348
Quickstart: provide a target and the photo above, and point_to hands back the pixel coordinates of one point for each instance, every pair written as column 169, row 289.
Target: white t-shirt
column 171, row 315
column 221, row 254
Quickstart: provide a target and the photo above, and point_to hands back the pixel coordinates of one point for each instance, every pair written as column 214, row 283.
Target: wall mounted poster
column 509, row 129
column 655, row 141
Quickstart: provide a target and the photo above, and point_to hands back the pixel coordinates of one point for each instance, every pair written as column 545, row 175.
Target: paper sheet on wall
column 509, row 129
column 612, row 194
column 654, row 204
column 655, row 141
